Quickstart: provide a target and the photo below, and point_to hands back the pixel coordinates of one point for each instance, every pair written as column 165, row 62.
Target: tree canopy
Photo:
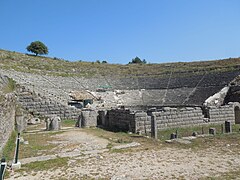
column 137, row 60
column 37, row 47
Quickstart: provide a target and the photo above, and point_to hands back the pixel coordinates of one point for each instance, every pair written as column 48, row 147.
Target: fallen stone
column 189, row 138
column 183, row 141
column 169, row 141
column 123, row 146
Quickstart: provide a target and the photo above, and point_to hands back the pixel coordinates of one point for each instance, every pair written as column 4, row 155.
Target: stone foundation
column 168, row 117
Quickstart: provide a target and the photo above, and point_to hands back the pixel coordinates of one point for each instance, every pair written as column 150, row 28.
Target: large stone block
column 53, row 123
column 88, row 118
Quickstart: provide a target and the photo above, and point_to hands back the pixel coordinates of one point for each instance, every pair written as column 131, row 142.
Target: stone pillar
column 89, row 118
column 53, row 123
column 102, row 118
column 212, row 131
column 3, row 168
column 154, row 127
column 79, row 121
column 173, row 136
column 194, row 133
column 47, row 121
column 20, row 125
column 228, row 127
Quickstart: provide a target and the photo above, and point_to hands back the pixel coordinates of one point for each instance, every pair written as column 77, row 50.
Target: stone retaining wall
column 140, row 121
column 221, row 114
column 7, row 119
column 44, row 107
column 121, row 119
column 170, row 118
column 178, row 117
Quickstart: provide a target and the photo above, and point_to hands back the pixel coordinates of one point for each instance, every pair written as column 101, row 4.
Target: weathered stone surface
column 53, row 123
column 7, row 113
column 21, row 122
column 87, row 118
column 34, row 121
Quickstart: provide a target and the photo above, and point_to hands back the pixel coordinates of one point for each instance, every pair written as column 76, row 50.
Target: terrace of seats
column 172, row 89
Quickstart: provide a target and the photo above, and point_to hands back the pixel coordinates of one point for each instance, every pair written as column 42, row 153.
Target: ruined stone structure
column 185, row 88
column 167, row 117
column 41, row 106
column 7, row 114
column 179, row 97
column 53, row 123
column 87, row 118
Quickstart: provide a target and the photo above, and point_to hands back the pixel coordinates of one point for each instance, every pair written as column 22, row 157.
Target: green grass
column 68, row 123
column 187, row 131
column 38, row 144
column 219, row 140
column 9, row 149
column 7, row 88
column 235, row 174
column 45, row 165
column 10, row 87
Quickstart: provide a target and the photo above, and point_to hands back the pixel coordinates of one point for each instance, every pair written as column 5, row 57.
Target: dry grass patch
column 38, row 144
column 60, row 67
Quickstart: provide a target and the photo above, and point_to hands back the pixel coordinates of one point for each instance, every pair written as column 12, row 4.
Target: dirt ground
column 90, row 157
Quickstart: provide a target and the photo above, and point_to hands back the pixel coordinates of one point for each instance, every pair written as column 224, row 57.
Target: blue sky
column 119, row 30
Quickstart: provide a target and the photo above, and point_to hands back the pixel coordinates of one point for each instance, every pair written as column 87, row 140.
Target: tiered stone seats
column 172, row 89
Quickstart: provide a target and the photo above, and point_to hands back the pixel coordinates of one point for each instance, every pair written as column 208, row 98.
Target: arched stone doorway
column 237, row 114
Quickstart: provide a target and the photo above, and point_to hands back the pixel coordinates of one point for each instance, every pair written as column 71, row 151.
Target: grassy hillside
column 54, row 66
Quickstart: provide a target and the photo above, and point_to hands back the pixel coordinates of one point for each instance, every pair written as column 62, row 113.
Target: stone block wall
column 169, row 118
column 143, row 122
column 178, row 117
column 44, row 107
column 7, row 119
column 140, row 121
column 221, row 114
column 88, row 118
column 121, row 119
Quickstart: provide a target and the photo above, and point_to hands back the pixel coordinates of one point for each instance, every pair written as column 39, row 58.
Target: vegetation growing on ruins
column 68, row 122
column 7, row 88
column 10, row 87
column 58, row 67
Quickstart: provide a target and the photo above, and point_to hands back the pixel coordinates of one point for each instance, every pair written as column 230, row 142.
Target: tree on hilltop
column 37, row 47
column 137, row 60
